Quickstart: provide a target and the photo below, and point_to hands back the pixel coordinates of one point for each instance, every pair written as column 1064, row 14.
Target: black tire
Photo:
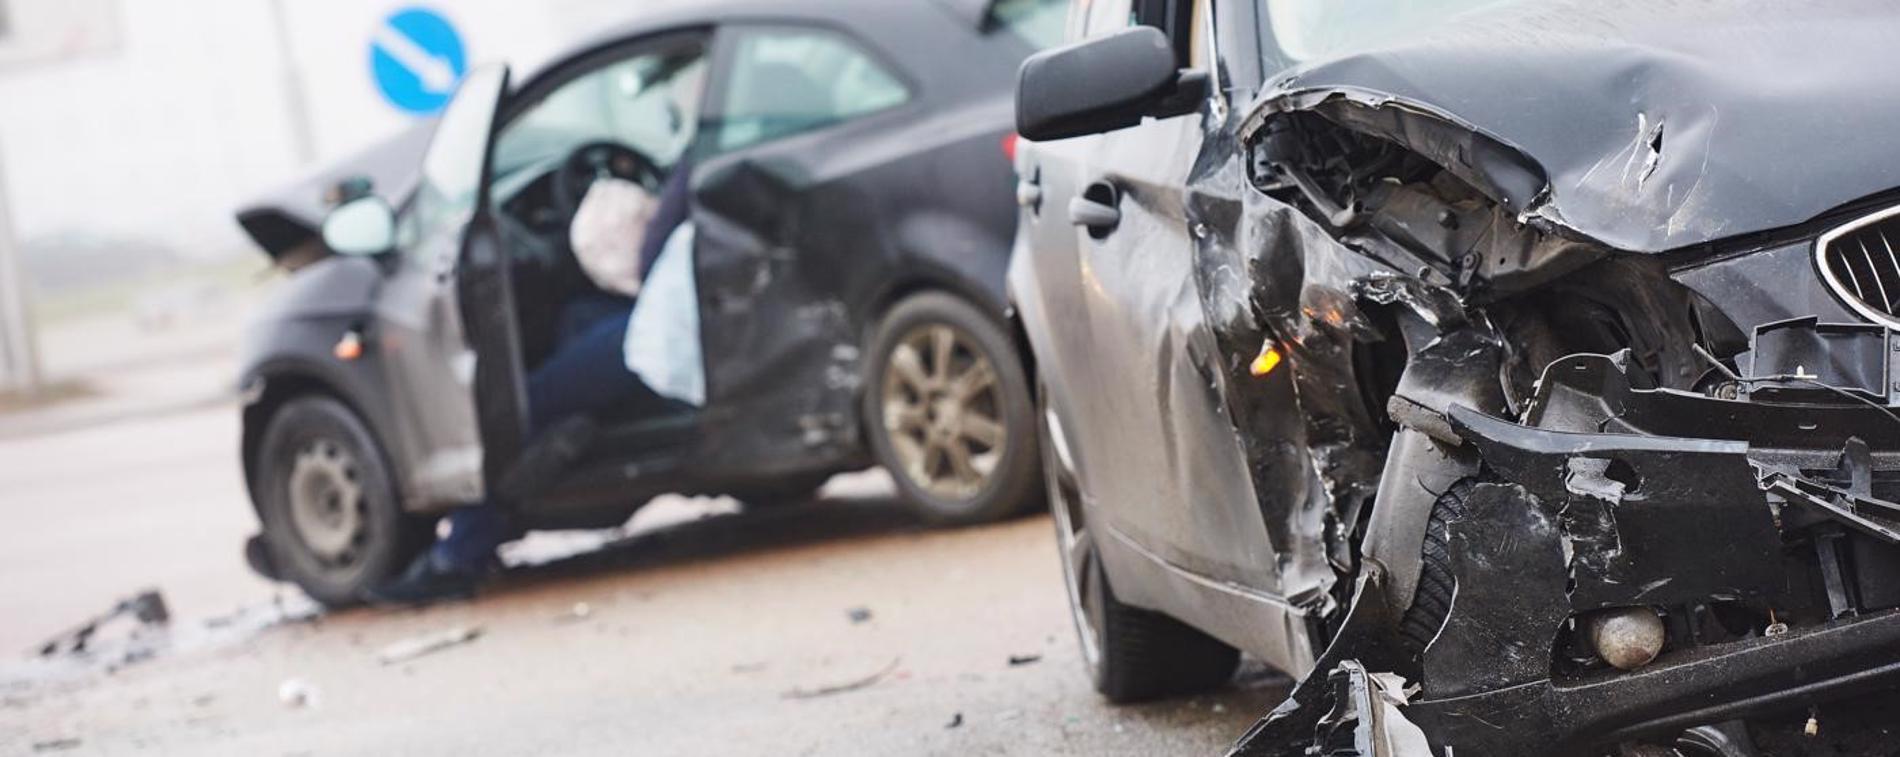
column 1431, row 601
column 1132, row 654
column 1010, row 486
column 791, row 490
column 1146, row 655
column 383, row 539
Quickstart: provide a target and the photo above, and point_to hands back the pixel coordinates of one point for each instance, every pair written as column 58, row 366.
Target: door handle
column 1096, row 209
column 1029, row 191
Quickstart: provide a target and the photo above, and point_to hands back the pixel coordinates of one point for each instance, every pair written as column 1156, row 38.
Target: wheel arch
column 268, row 388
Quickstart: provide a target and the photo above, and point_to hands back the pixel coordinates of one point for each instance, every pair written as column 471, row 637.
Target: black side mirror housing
column 1102, row 84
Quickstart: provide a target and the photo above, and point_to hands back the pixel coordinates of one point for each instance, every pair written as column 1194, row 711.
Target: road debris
column 579, row 612
column 417, row 646
column 858, row 614
column 297, row 693
column 854, row 685
column 956, row 721
column 147, row 608
column 1019, row 660
column 55, row 745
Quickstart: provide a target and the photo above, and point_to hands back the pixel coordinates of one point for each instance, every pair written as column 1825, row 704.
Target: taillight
column 1009, row 147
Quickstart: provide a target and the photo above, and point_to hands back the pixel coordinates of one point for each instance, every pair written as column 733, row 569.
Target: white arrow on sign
column 437, row 74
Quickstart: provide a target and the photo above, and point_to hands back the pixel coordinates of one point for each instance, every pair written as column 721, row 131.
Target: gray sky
column 165, row 134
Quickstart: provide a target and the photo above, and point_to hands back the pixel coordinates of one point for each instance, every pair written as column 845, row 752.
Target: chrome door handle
column 1096, row 216
column 1029, row 194
column 1029, row 191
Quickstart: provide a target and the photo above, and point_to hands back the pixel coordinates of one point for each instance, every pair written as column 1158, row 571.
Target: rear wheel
column 332, row 522
column 1132, row 654
column 949, row 411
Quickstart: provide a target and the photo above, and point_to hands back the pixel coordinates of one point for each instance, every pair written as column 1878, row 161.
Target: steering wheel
column 596, row 160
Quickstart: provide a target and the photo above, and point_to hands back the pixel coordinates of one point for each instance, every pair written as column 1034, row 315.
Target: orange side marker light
column 350, row 347
column 1268, row 359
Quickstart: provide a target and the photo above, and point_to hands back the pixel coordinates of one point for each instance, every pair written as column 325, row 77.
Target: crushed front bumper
column 1612, row 495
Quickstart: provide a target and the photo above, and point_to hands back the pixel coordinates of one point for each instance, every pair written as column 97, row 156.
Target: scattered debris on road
column 55, row 745
column 824, row 691
column 417, row 646
column 147, row 607
column 579, row 612
column 956, row 720
column 858, row 614
column 297, row 693
column 1019, row 660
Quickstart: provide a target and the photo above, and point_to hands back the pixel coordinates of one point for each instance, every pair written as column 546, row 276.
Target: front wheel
column 1132, row 654
column 949, row 411
column 333, row 524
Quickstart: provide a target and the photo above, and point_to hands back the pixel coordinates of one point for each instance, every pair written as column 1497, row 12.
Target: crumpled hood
column 290, row 215
column 1657, row 125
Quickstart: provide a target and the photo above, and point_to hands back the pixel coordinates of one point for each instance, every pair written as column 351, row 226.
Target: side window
column 1104, row 16
column 648, row 101
column 1038, row 22
column 450, row 182
column 785, row 81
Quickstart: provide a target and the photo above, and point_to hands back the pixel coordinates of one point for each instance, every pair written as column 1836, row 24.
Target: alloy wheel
column 1073, row 541
column 943, row 411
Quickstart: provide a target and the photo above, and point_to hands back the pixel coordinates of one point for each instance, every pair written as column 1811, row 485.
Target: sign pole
column 19, row 352
column 296, row 102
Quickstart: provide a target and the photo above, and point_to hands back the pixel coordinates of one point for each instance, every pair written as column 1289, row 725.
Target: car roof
column 291, row 214
column 870, row 16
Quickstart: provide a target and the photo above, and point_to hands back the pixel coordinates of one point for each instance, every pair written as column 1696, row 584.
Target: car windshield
column 648, row 102
column 1304, row 30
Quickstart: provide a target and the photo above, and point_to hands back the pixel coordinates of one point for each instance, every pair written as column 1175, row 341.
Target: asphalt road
column 700, row 629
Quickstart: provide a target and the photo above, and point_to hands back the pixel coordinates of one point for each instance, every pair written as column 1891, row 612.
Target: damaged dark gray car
column 1520, row 376
column 843, row 295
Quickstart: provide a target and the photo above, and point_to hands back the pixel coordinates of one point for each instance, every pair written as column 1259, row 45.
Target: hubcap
column 943, row 412
column 1073, row 540
column 326, row 502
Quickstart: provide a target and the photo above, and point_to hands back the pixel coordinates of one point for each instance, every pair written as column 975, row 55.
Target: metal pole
column 296, row 102
column 19, row 352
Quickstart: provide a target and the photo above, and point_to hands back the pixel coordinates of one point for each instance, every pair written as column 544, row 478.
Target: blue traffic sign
column 417, row 58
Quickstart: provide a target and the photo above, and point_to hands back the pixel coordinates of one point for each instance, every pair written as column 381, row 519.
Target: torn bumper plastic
column 1612, row 495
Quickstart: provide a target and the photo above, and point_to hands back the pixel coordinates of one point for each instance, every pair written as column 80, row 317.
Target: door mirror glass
column 1103, row 84
column 363, row 226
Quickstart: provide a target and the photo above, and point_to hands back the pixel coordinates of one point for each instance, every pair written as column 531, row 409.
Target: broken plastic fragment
column 297, row 693
column 417, row 646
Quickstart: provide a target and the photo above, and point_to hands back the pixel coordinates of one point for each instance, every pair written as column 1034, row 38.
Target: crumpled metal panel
column 1654, row 125
column 1268, row 271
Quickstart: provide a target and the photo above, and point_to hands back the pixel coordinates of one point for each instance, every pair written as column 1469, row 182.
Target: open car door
column 445, row 316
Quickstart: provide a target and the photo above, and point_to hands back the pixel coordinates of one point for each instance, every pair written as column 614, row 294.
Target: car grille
column 1861, row 262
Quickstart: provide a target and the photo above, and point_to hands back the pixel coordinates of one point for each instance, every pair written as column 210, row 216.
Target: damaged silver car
column 1516, row 375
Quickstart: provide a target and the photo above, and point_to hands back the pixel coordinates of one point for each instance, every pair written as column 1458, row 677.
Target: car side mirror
column 363, row 226
column 1103, row 84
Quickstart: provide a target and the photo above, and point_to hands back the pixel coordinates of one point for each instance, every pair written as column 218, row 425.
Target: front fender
column 289, row 351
